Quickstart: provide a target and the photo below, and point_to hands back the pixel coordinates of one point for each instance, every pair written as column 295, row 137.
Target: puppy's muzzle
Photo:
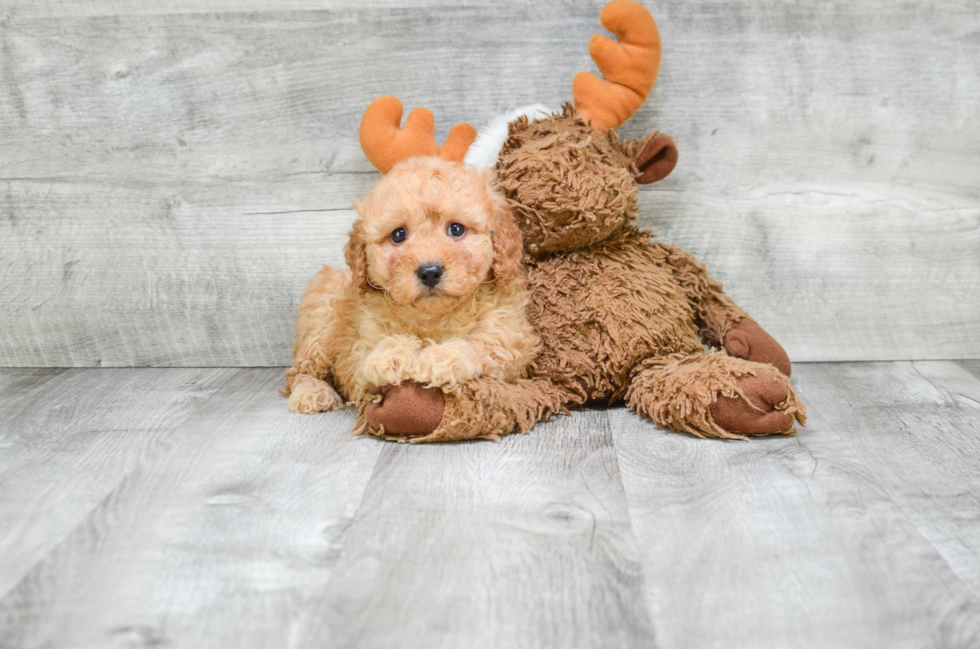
column 430, row 274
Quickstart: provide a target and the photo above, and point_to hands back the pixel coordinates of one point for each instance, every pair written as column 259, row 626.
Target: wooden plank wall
column 172, row 173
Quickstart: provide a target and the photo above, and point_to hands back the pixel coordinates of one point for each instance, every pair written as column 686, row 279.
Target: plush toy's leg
column 482, row 408
column 489, row 408
column 715, row 395
column 722, row 322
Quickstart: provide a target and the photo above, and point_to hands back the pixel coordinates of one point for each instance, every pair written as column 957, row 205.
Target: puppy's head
column 430, row 233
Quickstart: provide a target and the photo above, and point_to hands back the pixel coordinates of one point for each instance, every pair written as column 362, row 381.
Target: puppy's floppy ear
column 355, row 252
column 508, row 244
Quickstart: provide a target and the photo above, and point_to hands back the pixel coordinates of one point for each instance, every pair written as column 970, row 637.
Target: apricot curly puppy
column 435, row 295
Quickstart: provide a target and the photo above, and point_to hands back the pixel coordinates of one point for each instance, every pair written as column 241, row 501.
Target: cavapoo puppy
column 435, row 294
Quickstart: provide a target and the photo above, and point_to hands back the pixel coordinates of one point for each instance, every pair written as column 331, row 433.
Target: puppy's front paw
column 446, row 364
column 310, row 395
column 391, row 362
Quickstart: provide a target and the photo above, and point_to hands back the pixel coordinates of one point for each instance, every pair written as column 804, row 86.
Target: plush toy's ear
column 656, row 159
column 355, row 253
column 508, row 246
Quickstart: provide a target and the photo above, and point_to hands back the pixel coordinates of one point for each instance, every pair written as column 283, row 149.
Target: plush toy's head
column 568, row 178
column 571, row 185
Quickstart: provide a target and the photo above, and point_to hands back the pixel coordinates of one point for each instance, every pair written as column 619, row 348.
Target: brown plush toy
column 620, row 316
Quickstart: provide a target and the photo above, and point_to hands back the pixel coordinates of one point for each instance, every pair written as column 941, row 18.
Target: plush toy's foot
column 715, row 395
column 746, row 339
column 764, row 412
column 406, row 410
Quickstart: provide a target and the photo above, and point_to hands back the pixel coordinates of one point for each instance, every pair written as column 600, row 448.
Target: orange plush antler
column 385, row 144
column 629, row 66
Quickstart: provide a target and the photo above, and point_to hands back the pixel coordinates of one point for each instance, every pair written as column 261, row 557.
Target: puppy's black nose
column 430, row 274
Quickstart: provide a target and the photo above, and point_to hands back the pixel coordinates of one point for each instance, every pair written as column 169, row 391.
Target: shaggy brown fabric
column 594, row 175
column 482, row 408
column 715, row 312
column 602, row 309
column 488, row 408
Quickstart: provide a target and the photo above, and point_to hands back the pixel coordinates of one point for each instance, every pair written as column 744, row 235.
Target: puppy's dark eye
column 398, row 235
column 456, row 230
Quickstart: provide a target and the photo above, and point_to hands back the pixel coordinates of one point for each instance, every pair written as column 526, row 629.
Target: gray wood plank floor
column 189, row 508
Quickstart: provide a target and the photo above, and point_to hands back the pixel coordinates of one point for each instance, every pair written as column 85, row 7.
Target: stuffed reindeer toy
column 620, row 316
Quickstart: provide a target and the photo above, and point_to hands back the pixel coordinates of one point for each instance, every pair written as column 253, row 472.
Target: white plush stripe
column 485, row 150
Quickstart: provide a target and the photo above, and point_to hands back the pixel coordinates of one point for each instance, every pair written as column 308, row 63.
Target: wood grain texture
column 524, row 543
column 189, row 508
column 917, row 425
column 218, row 541
column 844, row 535
column 87, row 429
column 971, row 366
column 100, row 8
column 171, row 174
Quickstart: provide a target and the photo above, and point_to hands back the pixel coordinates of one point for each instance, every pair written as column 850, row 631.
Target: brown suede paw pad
column 761, row 414
column 406, row 410
column 747, row 340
